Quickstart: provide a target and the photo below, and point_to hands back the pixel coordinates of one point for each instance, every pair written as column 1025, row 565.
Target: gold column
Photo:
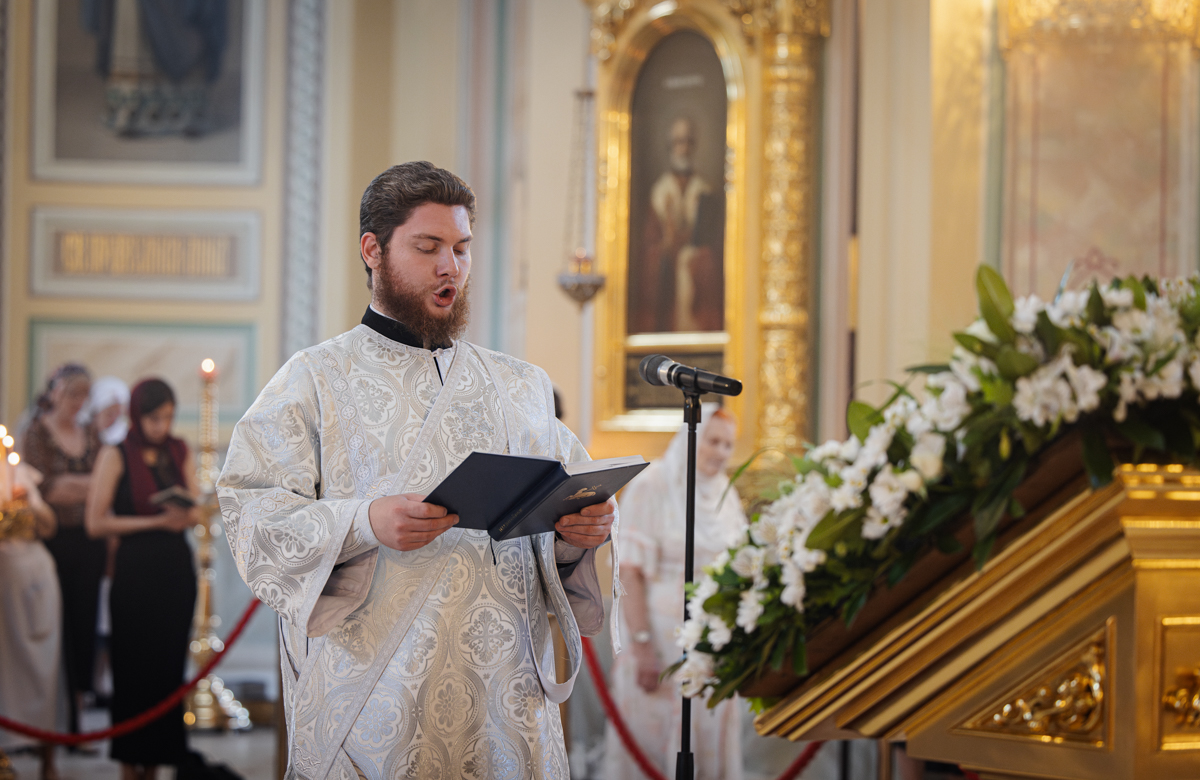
column 791, row 52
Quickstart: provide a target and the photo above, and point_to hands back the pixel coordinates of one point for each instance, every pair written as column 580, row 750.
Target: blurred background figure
column 652, row 558
column 154, row 582
column 106, row 409
column 30, row 624
column 107, row 412
column 64, row 452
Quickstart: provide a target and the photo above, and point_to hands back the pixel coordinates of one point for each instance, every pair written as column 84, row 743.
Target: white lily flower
column 719, row 632
column 1025, row 313
column 750, row 609
column 696, row 673
column 689, row 634
column 928, row 454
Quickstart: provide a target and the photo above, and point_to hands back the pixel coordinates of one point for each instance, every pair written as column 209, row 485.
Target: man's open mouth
column 445, row 296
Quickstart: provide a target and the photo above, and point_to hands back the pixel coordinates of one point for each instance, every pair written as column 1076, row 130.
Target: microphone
column 661, row 370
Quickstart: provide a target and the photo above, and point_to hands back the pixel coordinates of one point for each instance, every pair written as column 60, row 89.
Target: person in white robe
column 30, row 623
column 653, row 537
column 409, row 647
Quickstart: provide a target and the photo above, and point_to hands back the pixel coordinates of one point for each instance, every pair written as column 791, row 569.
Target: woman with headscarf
column 30, row 623
column 105, row 410
column 64, row 452
column 652, row 558
column 154, row 582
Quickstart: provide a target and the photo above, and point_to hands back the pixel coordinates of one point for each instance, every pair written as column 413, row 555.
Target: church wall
column 116, row 332
column 894, row 226
column 25, row 195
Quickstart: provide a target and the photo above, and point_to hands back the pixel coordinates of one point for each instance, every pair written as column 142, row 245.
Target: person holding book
column 154, row 580
column 64, row 452
column 652, row 535
column 410, row 647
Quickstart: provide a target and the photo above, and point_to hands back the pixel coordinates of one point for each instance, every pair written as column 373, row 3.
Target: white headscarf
column 107, row 391
column 654, row 506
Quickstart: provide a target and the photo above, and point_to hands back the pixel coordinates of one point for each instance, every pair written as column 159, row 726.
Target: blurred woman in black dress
column 154, row 584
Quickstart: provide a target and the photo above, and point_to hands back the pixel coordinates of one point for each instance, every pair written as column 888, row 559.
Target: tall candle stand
column 210, row 705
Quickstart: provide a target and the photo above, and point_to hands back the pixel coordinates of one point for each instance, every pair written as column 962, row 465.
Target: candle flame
column 208, row 365
column 7, row 441
column 14, row 458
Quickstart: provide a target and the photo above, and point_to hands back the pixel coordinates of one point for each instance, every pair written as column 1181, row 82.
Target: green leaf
column 1139, row 291
column 855, row 605
column 940, row 511
column 987, row 517
column 799, row 655
column 1096, row 457
column 1013, row 363
column 990, row 285
column 1141, row 433
column 997, row 391
column 970, row 343
column 995, row 303
column 982, row 551
column 860, row 417
column 1050, row 334
column 778, row 653
column 948, row 545
column 929, row 368
column 1096, row 312
column 832, row 527
column 729, row 687
column 1016, row 509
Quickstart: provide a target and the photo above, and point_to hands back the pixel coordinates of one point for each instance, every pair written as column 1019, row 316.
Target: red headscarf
column 141, row 480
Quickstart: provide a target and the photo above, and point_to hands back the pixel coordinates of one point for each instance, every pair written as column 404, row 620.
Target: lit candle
column 7, row 467
column 208, row 426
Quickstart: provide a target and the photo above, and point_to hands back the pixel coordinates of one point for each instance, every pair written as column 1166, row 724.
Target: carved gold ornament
column 1183, row 699
column 1171, row 20
column 759, row 18
column 1065, row 702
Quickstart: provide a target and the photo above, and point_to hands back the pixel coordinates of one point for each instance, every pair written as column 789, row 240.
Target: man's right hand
column 406, row 522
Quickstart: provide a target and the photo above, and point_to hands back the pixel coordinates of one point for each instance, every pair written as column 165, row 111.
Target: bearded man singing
column 407, row 649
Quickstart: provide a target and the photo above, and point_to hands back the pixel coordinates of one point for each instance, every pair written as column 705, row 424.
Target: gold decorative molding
column 1029, row 20
column 790, row 96
column 608, row 19
column 1065, row 701
column 1182, row 700
column 80, row 253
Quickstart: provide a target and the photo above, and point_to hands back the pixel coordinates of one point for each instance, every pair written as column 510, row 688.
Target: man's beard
column 408, row 306
column 681, row 164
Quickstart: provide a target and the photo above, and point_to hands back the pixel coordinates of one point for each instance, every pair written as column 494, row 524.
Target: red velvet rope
column 635, row 751
column 152, row 714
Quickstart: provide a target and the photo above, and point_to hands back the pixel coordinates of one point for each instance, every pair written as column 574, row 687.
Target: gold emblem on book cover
column 583, row 492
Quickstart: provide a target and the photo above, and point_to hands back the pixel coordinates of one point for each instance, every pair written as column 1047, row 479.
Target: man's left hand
column 590, row 527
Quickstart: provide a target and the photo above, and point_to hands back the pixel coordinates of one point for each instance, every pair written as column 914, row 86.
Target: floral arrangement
column 1120, row 363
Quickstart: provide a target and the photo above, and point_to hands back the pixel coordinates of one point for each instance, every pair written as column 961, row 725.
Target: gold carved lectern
column 1074, row 653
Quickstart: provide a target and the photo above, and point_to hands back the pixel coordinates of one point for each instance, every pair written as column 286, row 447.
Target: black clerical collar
column 395, row 330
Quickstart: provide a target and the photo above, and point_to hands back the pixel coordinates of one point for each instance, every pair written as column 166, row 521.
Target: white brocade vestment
column 433, row 663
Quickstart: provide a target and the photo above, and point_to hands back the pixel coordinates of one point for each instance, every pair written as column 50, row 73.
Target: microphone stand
column 684, row 765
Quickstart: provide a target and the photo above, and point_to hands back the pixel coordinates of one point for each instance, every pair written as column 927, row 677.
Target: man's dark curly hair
column 390, row 198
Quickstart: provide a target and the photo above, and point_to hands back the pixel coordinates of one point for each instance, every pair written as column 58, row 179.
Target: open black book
column 514, row 495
